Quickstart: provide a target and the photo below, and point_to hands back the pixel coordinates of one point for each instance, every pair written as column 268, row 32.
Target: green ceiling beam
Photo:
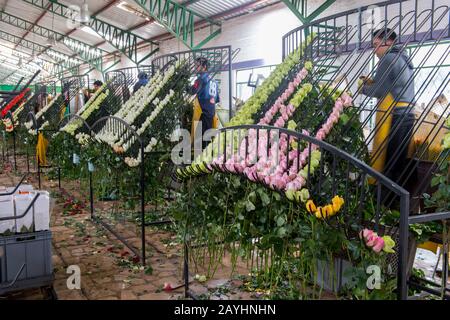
column 54, row 69
column 21, row 53
column 300, row 9
column 61, row 58
column 123, row 40
column 179, row 21
column 92, row 56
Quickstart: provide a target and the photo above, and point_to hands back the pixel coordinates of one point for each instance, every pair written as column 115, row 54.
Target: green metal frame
column 300, row 9
column 54, row 69
column 61, row 58
column 123, row 40
column 22, row 51
column 180, row 21
column 86, row 52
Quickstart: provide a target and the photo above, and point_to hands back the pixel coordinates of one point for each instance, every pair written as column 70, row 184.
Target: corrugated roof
column 125, row 14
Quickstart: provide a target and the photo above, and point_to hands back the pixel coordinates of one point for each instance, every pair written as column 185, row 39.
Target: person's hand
column 212, row 101
column 363, row 80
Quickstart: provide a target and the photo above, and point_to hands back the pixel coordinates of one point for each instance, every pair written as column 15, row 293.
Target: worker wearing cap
column 395, row 117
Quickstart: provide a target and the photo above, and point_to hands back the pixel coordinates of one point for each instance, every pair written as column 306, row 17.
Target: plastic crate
column 25, row 261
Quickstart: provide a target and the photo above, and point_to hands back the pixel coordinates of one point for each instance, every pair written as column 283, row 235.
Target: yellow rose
column 320, row 213
column 310, row 206
column 329, row 212
column 338, row 202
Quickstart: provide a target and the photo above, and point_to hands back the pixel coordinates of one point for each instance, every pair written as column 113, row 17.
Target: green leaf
column 264, row 197
column 281, row 232
column 252, row 197
column 280, row 221
column 344, row 118
column 249, row 206
column 435, row 181
column 149, row 270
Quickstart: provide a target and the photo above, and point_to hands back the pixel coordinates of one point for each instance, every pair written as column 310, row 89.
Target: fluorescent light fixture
column 131, row 9
column 84, row 13
column 51, row 41
column 91, row 32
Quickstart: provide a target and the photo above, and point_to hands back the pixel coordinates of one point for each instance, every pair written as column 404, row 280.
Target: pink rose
column 347, row 100
column 371, row 239
column 339, row 105
column 366, row 233
column 320, row 135
column 303, row 73
column 378, row 245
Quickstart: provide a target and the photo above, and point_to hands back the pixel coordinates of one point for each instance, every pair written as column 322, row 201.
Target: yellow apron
column 430, row 246
column 383, row 125
column 41, row 149
column 196, row 118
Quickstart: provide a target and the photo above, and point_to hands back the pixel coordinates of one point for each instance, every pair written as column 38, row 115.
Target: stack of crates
column 25, row 239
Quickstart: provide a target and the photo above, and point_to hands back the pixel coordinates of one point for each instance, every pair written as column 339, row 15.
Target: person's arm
column 379, row 86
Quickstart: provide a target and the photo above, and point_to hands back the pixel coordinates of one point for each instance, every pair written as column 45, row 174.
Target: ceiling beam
column 198, row 26
column 33, row 24
column 63, row 61
column 204, row 23
column 152, row 20
column 59, row 57
column 179, row 21
column 123, row 40
column 300, row 9
column 86, row 52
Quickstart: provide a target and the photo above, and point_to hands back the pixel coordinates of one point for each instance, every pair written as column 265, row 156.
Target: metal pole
column 402, row 281
column 445, row 245
column 91, row 194
column 186, row 269
column 39, row 171
column 59, row 177
column 28, row 161
column 230, row 83
column 143, row 203
column 14, row 149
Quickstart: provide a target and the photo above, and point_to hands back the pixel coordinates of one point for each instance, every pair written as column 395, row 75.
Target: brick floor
column 77, row 240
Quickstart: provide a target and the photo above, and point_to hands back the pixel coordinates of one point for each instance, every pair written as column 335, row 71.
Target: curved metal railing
column 339, row 173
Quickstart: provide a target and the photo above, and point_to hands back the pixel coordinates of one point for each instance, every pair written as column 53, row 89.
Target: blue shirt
column 207, row 89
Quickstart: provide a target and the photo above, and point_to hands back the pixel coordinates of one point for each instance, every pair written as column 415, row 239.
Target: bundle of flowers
column 277, row 108
column 9, row 126
column 377, row 243
column 85, row 113
column 446, row 141
column 140, row 103
column 14, row 102
column 45, row 114
column 93, row 98
column 326, row 211
column 268, row 87
column 285, row 168
column 161, row 99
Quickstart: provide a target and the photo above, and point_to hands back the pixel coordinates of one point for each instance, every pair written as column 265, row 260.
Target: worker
column 97, row 85
column 394, row 88
column 142, row 81
column 206, row 90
